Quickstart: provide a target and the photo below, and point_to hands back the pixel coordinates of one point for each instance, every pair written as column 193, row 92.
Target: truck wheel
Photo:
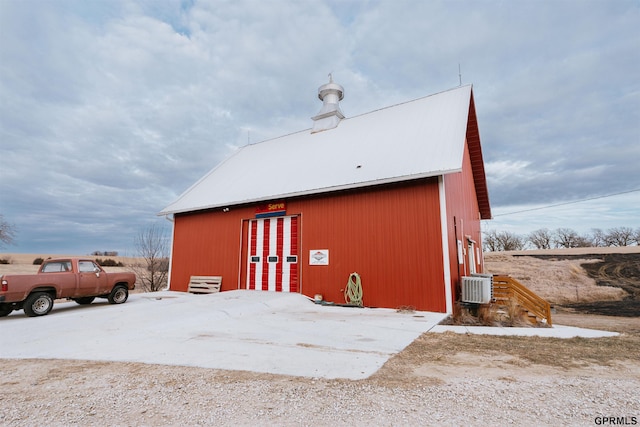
column 84, row 300
column 38, row 304
column 118, row 295
column 5, row 309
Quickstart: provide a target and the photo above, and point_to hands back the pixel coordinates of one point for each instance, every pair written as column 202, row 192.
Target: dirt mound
column 598, row 283
column 558, row 280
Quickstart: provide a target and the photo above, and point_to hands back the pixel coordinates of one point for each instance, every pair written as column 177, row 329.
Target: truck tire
column 118, row 295
column 84, row 300
column 38, row 304
column 5, row 310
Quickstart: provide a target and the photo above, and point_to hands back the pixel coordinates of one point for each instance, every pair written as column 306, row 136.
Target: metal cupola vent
column 330, row 115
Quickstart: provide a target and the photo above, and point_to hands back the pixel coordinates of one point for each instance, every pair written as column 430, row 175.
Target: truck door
column 91, row 279
column 61, row 274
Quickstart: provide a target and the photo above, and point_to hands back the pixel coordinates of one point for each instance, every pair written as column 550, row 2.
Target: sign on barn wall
column 271, row 209
column 319, row 257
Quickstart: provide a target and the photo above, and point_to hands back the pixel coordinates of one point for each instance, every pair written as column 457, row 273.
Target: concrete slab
column 557, row 331
column 255, row 331
column 238, row 330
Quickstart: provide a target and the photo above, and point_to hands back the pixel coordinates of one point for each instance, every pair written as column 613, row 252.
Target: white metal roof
column 419, row 138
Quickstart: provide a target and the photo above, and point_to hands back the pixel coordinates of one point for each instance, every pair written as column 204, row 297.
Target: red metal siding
column 207, row 244
column 390, row 235
column 463, row 219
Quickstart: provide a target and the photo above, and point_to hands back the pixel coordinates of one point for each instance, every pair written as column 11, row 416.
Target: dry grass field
column 587, row 280
column 23, row 263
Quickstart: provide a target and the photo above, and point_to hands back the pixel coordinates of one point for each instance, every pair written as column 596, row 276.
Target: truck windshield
column 56, row 267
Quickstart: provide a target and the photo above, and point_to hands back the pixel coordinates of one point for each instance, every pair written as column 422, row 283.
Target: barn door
column 272, row 262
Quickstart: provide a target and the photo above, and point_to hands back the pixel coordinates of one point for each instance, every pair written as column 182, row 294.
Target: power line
column 568, row 203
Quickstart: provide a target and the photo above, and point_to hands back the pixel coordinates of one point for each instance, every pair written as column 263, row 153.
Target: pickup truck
column 77, row 279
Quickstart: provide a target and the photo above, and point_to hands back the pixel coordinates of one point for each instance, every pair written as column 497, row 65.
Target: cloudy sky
column 110, row 109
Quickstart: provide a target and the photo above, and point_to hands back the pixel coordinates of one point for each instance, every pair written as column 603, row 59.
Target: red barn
column 395, row 195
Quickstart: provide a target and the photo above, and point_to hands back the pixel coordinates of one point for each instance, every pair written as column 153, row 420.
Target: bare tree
column 511, row 241
column 620, row 236
column 152, row 246
column 495, row 241
column 503, row 241
column 7, row 232
column 541, row 238
column 490, row 241
column 583, row 242
column 598, row 238
column 567, row 238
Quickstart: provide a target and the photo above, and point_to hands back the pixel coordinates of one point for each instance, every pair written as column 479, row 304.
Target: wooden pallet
column 205, row 284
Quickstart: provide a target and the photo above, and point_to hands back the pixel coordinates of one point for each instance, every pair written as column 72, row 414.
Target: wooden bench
column 205, row 284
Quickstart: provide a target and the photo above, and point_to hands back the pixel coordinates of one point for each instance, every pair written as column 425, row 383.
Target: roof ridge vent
column 330, row 115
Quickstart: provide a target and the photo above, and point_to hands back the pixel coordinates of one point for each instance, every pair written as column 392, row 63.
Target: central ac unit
column 477, row 289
